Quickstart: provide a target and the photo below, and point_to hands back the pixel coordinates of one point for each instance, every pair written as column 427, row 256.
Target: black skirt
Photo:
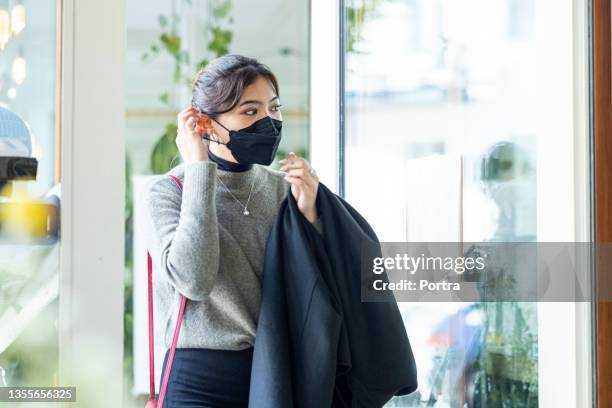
column 208, row 378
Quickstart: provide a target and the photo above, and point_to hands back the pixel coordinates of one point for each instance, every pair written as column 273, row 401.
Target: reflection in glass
column 29, row 195
column 440, row 126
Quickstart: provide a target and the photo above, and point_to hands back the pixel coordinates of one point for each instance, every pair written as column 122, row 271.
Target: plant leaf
column 165, row 150
column 172, row 42
column 220, row 42
column 222, row 10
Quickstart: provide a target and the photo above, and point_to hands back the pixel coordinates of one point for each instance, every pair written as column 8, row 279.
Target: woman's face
column 258, row 100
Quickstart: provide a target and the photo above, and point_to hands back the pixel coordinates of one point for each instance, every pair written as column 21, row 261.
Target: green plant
column 282, row 153
column 217, row 39
column 357, row 12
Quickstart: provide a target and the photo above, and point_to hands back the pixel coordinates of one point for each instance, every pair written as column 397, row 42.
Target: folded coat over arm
column 317, row 344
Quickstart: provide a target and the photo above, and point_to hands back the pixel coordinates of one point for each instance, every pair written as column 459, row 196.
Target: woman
column 210, row 238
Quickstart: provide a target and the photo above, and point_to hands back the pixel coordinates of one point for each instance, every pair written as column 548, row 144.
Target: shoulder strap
column 179, row 319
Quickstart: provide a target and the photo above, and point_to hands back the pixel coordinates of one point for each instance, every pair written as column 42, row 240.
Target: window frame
column 93, row 198
column 578, row 373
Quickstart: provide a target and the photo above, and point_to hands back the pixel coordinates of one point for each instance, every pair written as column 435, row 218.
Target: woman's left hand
column 304, row 184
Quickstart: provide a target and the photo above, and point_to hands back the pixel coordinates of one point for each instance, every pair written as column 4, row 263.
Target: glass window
column 449, row 119
column 167, row 43
column 29, row 202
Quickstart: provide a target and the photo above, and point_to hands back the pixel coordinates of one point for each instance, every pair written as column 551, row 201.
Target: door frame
column 327, row 155
column 602, row 200
column 92, row 151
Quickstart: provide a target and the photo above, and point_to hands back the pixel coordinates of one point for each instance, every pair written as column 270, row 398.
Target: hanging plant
column 218, row 40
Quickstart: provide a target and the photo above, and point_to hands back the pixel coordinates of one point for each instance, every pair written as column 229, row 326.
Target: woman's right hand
column 189, row 142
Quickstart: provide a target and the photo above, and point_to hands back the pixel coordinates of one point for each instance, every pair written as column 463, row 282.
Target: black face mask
column 256, row 143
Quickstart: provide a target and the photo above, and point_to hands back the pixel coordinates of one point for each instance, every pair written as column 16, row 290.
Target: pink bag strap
column 162, row 391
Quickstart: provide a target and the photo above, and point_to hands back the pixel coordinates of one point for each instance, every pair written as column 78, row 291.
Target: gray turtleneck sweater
column 205, row 248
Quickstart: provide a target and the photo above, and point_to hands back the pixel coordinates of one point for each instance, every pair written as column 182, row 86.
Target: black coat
column 317, row 345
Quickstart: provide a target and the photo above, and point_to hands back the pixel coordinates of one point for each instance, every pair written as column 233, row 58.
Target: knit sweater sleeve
column 186, row 229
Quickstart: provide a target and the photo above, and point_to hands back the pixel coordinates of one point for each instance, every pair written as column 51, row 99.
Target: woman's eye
column 252, row 112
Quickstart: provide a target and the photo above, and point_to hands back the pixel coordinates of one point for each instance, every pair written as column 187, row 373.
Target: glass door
column 465, row 119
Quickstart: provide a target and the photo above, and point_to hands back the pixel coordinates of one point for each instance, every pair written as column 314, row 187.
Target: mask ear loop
column 207, row 138
column 220, row 124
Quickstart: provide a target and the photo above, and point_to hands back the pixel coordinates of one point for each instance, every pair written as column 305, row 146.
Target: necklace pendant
column 246, row 212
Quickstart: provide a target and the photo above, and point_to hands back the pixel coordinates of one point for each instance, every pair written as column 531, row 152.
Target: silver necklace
column 245, row 212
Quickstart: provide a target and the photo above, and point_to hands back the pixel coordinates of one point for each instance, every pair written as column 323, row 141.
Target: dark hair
column 218, row 87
